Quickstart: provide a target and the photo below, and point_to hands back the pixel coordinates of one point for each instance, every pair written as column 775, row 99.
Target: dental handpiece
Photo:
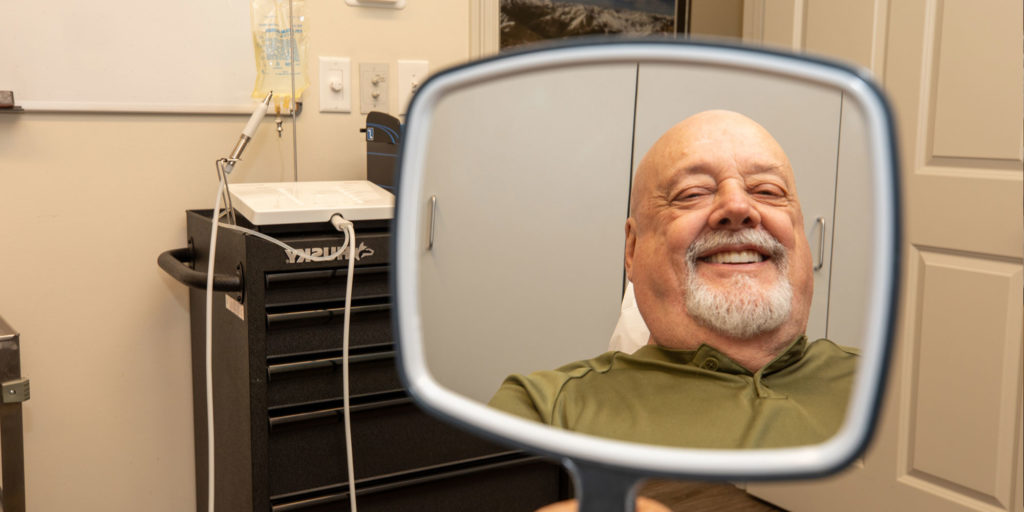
column 249, row 131
column 229, row 163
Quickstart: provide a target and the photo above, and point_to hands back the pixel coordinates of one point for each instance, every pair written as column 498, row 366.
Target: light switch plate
column 335, row 84
column 411, row 74
column 387, row 4
column 374, row 83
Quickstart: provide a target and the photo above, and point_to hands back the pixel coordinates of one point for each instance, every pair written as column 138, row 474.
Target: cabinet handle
column 820, row 221
column 433, row 211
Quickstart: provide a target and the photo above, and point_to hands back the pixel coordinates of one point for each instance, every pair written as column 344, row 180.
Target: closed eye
column 691, row 194
column 769, row 191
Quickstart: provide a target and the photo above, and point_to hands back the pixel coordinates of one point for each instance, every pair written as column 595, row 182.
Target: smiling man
column 715, row 246
column 721, row 268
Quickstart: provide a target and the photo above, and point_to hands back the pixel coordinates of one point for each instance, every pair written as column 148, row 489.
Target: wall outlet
column 411, row 74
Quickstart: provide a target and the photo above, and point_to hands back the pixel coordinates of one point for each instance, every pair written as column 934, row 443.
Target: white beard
column 742, row 308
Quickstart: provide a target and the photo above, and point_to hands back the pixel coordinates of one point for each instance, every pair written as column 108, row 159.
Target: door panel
column 980, row 351
column 966, row 96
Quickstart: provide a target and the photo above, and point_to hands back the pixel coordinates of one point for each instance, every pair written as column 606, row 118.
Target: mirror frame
column 409, row 239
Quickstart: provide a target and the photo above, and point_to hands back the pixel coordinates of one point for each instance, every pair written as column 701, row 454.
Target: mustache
column 758, row 237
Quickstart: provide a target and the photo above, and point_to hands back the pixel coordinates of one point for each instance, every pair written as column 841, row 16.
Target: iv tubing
column 294, row 106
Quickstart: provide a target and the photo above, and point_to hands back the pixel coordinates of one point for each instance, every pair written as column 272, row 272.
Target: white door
column 949, row 437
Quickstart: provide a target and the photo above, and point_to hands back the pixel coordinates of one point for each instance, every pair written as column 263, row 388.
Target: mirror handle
column 820, row 221
column 603, row 489
column 433, row 208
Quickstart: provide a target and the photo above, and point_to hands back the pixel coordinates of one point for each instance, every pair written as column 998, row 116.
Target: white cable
column 209, row 347
column 341, row 225
column 344, row 226
column 350, row 237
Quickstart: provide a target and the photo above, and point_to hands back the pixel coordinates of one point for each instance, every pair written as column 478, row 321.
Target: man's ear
column 630, row 246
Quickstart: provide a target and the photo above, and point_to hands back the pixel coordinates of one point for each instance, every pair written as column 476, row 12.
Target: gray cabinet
column 511, row 166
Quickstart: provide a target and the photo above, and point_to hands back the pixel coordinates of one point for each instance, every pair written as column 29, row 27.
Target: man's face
column 715, row 240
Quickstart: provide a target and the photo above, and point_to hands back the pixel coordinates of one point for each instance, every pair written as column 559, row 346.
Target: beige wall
column 88, row 201
column 717, row 18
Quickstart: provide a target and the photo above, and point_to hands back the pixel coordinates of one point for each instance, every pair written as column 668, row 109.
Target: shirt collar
column 708, row 358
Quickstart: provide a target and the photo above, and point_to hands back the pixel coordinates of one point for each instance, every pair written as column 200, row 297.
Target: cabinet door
column 531, row 179
column 804, row 118
column 849, row 297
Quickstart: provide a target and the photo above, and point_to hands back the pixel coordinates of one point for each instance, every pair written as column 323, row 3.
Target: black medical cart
column 277, row 370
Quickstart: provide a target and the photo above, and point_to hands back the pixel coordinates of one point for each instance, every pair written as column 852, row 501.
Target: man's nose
column 733, row 209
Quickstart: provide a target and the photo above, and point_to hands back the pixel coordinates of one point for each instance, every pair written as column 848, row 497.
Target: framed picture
column 527, row 21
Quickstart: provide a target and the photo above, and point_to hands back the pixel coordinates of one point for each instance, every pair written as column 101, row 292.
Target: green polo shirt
column 692, row 398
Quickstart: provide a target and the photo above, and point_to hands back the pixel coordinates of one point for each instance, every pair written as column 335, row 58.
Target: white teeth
column 735, row 257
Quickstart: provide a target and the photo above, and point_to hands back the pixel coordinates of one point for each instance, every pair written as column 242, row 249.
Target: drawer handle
column 321, row 314
column 277, row 369
column 320, row 275
column 433, row 212
column 332, row 413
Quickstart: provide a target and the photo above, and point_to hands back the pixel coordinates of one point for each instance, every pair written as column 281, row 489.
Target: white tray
column 311, row 201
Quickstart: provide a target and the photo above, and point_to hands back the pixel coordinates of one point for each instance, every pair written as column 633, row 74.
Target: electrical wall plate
column 335, row 84
column 374, row 85
column 457, row 151
column 386, row 4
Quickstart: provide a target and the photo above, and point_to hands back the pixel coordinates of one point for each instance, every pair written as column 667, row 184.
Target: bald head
column 708, row 131
column 715, row 246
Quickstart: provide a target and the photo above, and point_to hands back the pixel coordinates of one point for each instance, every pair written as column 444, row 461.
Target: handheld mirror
column 516, row 181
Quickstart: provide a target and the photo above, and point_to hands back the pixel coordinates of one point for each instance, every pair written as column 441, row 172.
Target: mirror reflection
column 657, row 253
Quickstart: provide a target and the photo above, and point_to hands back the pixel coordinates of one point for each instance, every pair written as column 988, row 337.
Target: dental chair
column 630, row 332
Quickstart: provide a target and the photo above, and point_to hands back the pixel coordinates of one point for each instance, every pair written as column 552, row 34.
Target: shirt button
column 710, row 364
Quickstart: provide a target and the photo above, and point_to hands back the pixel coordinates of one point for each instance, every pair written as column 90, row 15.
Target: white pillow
column 630, row 332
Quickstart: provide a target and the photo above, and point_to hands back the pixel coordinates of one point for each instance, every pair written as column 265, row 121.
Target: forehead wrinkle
column 716, row 133
column 766, row 168
column 710, row 169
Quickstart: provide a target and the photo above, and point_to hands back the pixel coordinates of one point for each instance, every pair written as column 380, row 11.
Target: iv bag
column 281, row 49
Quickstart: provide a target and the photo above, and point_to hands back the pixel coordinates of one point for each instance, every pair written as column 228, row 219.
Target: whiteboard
column 125, row 56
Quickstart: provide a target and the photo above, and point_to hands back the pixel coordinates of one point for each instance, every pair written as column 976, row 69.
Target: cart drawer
column 307, row 448
column 318, row 377
column 320, row 329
